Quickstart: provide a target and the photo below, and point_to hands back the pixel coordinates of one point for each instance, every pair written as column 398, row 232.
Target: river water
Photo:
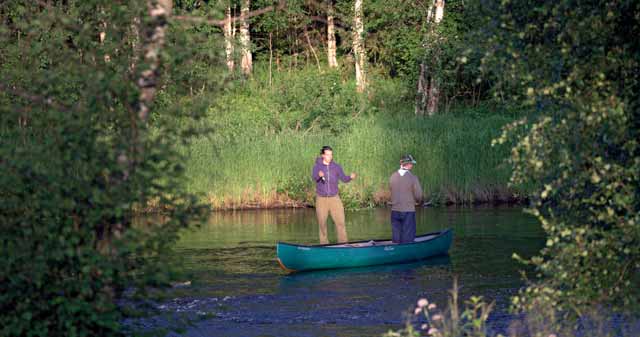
column 238, row 289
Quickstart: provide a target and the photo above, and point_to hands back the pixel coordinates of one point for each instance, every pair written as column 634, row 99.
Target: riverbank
column 456, row 164
column 266, row 137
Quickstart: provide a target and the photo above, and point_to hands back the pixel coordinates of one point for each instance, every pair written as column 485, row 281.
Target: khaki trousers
column 333, row 206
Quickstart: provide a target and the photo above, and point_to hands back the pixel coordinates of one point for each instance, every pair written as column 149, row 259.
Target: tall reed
column 265, row 140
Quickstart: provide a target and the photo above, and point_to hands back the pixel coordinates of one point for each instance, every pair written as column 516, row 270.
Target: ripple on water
column 238, row 290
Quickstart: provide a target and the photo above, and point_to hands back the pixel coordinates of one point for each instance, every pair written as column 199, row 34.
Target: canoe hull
column 294, row 257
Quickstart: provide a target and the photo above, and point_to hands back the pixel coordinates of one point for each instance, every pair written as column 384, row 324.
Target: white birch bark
column 229, row 34
column 245, row 39
column 159, row 12
column 135, row 43
column 331, row 36
column 434, row 84
column 428, row 91
column 152, row 44
column 358, row 47
column 439, row 4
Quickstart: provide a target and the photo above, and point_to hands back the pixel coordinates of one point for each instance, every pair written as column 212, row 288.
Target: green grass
column 455, row 162
column 266, row 139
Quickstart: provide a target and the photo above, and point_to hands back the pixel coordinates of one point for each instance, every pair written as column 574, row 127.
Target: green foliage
column 266, row 140
column 395, row 34
column 449, row 60
column 470, row 320
column 295, row 101
column 578, row 66
column 77, row 163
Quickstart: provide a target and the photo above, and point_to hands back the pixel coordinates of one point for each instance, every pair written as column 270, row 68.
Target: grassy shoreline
column 266, row 137
column 456, row 163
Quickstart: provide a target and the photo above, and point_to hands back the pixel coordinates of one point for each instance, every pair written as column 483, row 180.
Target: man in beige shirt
column 406, row 192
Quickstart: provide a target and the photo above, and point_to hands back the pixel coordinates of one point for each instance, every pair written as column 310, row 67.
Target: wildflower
column 431, row 306
column 436, row 317
column 422, row 303
column 417, row 311
column 424, row 326
column 552, row 335
column 432, row 331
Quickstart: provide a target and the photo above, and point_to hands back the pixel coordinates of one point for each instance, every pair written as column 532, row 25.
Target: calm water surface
column 239, row 290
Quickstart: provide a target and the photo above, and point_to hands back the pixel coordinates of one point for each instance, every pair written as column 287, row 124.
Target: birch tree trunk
column 428, row 91
column 439, row 4
column 153, row 40
column 159, row 12
column 331, row 36
column 135, row 43
column 102, row 36
column 245, row 39
column 358, row 47
column 229, row 34
column 434, row 85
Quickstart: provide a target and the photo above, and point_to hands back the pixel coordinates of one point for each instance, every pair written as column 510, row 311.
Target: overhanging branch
column 41, row 100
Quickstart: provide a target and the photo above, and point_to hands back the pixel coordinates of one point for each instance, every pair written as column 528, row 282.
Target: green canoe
column 294, row 257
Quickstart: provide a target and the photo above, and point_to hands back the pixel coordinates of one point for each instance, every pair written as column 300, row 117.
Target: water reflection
column 383, row 272
column 237, row 281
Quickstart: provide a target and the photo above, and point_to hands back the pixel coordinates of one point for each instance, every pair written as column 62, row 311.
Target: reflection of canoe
column 293, row 257
column 305, row 279
column 377, row 278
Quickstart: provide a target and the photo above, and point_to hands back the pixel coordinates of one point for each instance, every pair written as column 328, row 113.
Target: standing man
column 406, row 192
column 326, row 174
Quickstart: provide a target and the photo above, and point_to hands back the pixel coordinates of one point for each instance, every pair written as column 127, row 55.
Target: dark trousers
column 403, row 226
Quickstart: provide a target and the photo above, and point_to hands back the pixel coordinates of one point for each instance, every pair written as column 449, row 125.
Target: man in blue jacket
column 326, row 173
